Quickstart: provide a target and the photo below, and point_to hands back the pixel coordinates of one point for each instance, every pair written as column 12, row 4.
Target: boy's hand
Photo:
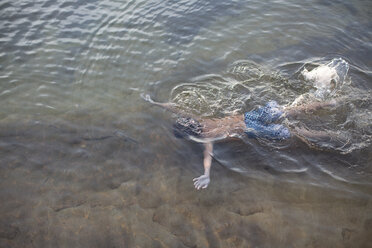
column 201, row 182
column 146, row 97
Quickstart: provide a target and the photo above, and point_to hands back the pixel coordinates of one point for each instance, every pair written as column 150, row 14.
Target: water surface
column 85, row 162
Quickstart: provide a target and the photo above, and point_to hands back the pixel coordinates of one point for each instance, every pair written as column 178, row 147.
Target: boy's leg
column 310, row 136
column 310, row 107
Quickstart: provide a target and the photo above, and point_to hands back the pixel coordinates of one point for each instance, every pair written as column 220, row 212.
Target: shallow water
column 85, row 162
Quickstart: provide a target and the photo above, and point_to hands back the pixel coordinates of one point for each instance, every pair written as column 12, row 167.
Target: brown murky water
column 85, row 162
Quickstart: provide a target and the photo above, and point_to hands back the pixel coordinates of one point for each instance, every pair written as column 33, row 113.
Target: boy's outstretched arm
column 203, row 181
column 168, row 106
column 172, row 107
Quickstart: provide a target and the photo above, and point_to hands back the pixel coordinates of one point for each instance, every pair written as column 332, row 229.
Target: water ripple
column 76, row 139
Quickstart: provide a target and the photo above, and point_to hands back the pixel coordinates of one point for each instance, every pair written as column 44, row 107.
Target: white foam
column 327, row 77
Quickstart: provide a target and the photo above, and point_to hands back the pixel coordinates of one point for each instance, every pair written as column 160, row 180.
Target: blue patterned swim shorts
column 259, row 122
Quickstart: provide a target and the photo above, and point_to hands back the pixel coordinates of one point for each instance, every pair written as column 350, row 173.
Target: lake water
column 85, row 162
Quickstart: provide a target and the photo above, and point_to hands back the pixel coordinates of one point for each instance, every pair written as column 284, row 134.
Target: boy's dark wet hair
column 186, row 127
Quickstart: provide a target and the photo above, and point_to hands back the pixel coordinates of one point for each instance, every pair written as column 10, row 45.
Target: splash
column 347, row 121
column 327, row 78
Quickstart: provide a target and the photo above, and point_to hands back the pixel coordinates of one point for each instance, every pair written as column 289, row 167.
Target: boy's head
column 186, row 127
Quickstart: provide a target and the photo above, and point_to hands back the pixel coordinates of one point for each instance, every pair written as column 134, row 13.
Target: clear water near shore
column 85, row 162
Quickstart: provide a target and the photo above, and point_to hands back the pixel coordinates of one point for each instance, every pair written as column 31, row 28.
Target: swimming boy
column 262, row 122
